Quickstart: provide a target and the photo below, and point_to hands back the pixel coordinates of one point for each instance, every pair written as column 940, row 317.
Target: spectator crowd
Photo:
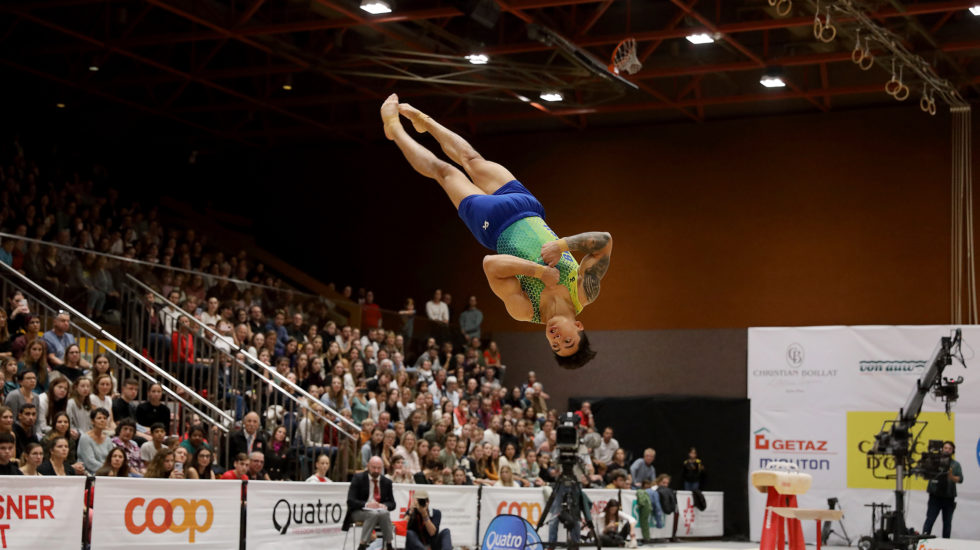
column 428, row 408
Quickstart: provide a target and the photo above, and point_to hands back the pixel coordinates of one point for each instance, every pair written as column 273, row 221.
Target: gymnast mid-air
column 533, row 271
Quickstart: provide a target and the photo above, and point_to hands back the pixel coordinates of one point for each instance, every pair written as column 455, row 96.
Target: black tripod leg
column 588, row 519
column 546, row 511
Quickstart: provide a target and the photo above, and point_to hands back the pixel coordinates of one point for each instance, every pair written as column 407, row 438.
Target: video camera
column 566, row 438
column 933, row 462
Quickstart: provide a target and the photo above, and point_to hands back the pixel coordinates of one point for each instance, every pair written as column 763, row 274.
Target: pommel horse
column 781, row 522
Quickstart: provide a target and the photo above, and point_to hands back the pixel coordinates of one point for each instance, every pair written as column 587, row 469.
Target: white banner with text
column 41, row 512
column 161, row 513
column 300, row 516
column 819, row 395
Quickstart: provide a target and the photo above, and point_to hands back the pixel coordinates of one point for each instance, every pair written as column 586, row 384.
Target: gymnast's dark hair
column 580, row 357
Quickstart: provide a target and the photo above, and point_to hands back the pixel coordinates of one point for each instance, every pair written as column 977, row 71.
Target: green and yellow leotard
column 523, row 239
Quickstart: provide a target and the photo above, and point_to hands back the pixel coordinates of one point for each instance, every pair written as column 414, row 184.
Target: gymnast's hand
column 551, row 252
column 550, row 277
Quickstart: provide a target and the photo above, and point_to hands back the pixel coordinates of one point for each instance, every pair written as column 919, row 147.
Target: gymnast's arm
column 597, row 246
column 501, row 271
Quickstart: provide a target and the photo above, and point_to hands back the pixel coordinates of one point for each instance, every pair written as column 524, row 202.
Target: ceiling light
column 375, row 7
column 477, row 58
column 522, row 98
column 773, row 78
column 94, row 68
column 975, row 10
column 551, row 96
column 700, row 38
column 288, row 83
column 59, row 105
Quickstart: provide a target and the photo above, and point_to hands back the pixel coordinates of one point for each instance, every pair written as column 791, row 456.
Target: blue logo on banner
column 978, row 451
column 507, row 532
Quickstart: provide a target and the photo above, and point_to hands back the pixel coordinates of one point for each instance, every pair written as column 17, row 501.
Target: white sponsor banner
column 527, row 503
column 295, row 515
column 820, row 394
column 709, row 522
column 947, row 544
column 457, row 505
column 692, row 522
column 41, row 512
column 162, row 513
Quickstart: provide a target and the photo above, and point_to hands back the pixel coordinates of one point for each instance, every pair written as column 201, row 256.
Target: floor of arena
column 717, row 545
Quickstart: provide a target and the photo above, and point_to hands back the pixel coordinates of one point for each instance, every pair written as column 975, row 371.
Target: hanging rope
column 962, row 273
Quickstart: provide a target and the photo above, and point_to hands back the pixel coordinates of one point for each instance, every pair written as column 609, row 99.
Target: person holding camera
column 423, row 526
column 942, row 493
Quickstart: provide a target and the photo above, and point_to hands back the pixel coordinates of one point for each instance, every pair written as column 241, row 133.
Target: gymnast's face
column 563, row 334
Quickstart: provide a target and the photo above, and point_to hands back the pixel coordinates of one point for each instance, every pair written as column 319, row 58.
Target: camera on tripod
column 566, row 440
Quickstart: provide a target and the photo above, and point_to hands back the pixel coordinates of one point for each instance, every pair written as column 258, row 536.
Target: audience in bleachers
column 428, row 398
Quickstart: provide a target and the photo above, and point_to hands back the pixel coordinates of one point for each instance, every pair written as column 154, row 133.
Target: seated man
column 423, row 526
column 369, row 500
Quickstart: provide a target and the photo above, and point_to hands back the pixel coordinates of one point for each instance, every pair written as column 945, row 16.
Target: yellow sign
column 862, row 426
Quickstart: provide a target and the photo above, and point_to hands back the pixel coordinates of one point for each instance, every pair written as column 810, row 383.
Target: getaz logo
column 765, row 442
column 892, row 368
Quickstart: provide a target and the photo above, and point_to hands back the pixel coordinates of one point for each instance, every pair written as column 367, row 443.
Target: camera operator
column 423, row 526
column 942, row 493
column 569, row 470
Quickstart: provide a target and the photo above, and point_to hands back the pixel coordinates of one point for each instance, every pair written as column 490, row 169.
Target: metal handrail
column 129, row 364
column 106, row 335
column 153, row 265
column 238, row 349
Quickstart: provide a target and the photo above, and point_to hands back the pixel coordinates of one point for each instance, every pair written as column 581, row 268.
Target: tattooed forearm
column 588, row 242
column 592, row 275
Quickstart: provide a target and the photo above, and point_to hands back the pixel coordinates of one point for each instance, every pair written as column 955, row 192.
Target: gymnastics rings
column 927, row 103
column 783, row 7
column 824, row 31
column 862, row 57
column 895, row 87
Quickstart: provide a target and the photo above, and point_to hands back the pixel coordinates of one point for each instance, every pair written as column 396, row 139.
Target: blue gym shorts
column 486, row 216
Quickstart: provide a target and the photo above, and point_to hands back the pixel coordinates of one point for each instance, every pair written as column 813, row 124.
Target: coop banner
column 41, row 512
column 820, row 395
column 161, row 513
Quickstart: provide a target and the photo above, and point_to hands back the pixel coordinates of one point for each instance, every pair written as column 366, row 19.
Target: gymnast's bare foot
column 417, row 117
column 389, row 114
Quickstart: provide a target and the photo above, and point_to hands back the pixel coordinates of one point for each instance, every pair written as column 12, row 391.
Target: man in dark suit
column 369, row 500
column 249, row 439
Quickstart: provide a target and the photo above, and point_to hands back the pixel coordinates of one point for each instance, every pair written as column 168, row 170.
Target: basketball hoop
column 624, row 58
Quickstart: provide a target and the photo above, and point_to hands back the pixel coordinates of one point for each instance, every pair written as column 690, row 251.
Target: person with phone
column 423, row 526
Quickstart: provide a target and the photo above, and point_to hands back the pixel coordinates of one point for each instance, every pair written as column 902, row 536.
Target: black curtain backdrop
column 671, row 425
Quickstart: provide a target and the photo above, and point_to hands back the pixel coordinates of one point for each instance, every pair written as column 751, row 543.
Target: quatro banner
column 299, row 516
column 41, row 512
column 162, row 513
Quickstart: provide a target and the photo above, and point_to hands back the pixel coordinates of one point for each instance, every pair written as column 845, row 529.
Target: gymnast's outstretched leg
column 453, row 181
column 488, row 176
